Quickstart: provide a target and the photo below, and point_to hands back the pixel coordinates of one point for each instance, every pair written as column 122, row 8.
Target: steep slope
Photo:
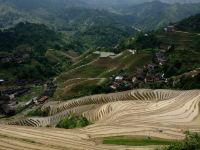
column 191, row 24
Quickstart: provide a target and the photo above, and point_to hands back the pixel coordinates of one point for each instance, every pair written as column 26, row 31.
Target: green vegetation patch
column 191, row 142
column 73, row 122
column 136, row 142
column 35, row 91
column 190, row 24
column 38, row 112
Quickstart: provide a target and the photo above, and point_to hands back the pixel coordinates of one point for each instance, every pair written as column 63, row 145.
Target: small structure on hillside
column 2, row 81
column 165, row 48
column 132, row 51
column 169, row 29
column 119, row 78
column 149, row 79
column 160, row 57
column 151, row 67
column 114, row 85
column 43, row 99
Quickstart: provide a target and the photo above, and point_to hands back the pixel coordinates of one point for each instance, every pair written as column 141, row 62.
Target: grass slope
column 92, row 71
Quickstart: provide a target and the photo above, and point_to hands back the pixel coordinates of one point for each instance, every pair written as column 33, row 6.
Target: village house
column 132, row 51
column 149, row 79
column 119, row 78
column 162, row 61
column 114, row 85
column 2, row 81
column 169, row 29
column 150, row 67
column 160, row 58
column 42, row 99
column 159, row 77
column 134, row 79
column 152, row 78
column 165, row 48
column 139, row 76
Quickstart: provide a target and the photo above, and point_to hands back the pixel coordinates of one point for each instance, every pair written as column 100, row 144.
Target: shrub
column 73, row 122
column 191, row 142
column 38, row 112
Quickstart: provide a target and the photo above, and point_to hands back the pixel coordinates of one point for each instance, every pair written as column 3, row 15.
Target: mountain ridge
column 68, row 14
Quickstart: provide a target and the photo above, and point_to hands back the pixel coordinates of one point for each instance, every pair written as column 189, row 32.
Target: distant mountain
column 191, row 24
column 72, row 15
column 67, row 14
column 155, row 14
column 111, row 3
column 48, row 4
column 181, row 1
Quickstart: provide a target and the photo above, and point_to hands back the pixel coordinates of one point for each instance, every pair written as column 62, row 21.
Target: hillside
column 190, row 24
column 23, row 51
column 179, row 69
column 156, row 14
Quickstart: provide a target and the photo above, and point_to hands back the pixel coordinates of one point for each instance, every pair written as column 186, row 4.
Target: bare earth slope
column 156, row 113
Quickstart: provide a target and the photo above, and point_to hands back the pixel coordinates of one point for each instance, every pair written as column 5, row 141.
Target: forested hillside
column 155, row 14
column 39, row 37
column 23, row 51
column 191, row 24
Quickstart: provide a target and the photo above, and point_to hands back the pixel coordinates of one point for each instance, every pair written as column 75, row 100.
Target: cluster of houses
column 122, row 80
column 8, row 101
column 23, row 82
column 160, row 57
column 15, row 91
column 49, row 89
column 36, row 101
column 150, row 73
column 18, row 59
column 7, row 105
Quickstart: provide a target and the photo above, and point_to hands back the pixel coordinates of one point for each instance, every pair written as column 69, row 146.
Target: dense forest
column 191, row 24
column 23, row 51
column 37, row 36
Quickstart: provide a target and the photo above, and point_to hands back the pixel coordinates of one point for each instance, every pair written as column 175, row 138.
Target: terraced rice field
column 162, row 114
